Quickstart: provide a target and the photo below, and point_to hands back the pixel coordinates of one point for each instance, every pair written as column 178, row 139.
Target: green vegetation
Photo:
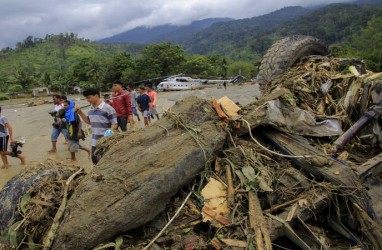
column 63, row 61
column 349, row 29
column 4, row 97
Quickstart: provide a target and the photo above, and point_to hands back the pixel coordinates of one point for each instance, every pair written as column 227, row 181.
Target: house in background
column 77, row 90
column 41, row 91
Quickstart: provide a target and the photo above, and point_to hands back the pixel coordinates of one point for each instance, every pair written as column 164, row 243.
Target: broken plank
column 371, row 167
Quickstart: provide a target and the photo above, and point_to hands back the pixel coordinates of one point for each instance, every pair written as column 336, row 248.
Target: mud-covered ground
column 34, row 123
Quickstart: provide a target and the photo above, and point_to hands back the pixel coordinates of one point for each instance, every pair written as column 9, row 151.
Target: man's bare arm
column 10, row 131
column 82, row 115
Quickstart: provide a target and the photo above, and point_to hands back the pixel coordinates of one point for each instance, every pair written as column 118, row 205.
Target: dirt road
column 34, row 124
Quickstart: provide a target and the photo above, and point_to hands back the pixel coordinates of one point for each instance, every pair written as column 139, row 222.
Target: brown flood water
column 34, row 124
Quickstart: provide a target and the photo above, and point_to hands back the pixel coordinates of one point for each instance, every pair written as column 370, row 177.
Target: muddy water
column 34, row 124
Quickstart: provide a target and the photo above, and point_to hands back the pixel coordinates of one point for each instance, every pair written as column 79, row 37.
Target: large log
column 136, row 178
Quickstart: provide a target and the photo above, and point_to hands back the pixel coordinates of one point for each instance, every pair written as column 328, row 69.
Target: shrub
column 15, row 88
column 3, row 97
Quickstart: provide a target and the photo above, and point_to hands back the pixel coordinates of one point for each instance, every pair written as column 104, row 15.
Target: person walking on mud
column 122, row 105
column 133, row 97
column 6, row 134
column 153, row 104
column 58, row 125
column 101, row 117
column 75, row 133
column 143, row 101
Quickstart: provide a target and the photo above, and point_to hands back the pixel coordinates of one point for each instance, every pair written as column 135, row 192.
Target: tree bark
column 136, row 178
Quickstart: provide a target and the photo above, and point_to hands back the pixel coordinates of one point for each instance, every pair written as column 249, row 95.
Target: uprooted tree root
column 38, row 208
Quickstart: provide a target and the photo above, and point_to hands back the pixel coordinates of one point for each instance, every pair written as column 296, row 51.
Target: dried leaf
column 215, row 202
column 292, row 212
column 303, row 202
column 263, row 184
column 235, row 243
column 215, row 244
column 252, row 177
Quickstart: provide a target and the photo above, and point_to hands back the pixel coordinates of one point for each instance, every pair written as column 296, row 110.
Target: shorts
column 4, row 143
column 122, row 123
column 146, row 114
column 56, row 132
column 73, row 146
column 154, row 110
column 135, row 111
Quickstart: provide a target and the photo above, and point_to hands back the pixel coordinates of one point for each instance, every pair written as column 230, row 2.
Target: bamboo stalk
column 257, row 222
column 287, row 203
column 252, row 220
column 50, row 236
column 170, row 221
column 230, row 189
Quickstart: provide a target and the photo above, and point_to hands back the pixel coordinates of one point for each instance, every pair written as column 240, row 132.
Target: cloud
column 95, row 19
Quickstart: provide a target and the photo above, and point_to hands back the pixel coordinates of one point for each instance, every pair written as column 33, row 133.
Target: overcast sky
column 95, row 19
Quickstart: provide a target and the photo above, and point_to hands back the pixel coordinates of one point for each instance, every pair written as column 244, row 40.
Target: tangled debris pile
column 247, row 179
column 30, row 201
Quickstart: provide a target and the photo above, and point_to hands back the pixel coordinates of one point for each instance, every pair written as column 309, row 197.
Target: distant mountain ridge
column 368, row 2
column 221, row 36
column 161, row 33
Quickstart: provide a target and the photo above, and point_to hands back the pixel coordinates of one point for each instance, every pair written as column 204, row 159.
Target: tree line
column 63, row 61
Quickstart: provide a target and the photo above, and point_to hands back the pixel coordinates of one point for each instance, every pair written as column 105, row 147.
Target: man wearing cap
column 122, row 105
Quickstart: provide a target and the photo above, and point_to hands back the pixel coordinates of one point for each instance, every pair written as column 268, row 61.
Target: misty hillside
column 368, row 2
column 225, row 36
column 168, row 32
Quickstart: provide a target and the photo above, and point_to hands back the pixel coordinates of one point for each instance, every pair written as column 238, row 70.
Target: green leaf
column 111, row 244
column 118, row 243
column 23, row 203
column 31, row 244
column 249, row 173
column 13, row 235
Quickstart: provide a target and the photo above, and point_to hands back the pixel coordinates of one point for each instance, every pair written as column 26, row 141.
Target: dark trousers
column 95, row 158
column 122, row 123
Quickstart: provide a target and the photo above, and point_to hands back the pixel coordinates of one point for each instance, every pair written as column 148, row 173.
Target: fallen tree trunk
column 146, row 168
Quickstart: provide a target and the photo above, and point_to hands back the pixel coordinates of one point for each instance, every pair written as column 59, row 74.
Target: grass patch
column 4, row 96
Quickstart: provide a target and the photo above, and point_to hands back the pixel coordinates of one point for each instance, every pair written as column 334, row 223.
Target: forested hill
column 168, row 32
column 349, row 30
column 228, row 37
column 368, row 2
column 341, row 24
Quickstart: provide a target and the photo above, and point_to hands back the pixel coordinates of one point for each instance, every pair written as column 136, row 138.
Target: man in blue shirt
column 143, row 101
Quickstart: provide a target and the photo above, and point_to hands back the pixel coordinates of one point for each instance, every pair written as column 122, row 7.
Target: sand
column 34, row 124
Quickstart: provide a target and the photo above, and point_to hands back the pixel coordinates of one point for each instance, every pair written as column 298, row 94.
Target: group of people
column 127, row 103
column 111, row 113
column 67, row 123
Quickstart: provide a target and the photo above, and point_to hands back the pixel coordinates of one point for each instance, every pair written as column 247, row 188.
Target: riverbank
column 34, row 124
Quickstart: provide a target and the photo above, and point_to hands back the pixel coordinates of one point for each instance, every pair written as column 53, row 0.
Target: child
column 74, row 125
column 6, row 133
column 143, row 101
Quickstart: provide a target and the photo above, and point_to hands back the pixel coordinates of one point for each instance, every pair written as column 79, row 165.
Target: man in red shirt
column 153, row 104
column 122, row 105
